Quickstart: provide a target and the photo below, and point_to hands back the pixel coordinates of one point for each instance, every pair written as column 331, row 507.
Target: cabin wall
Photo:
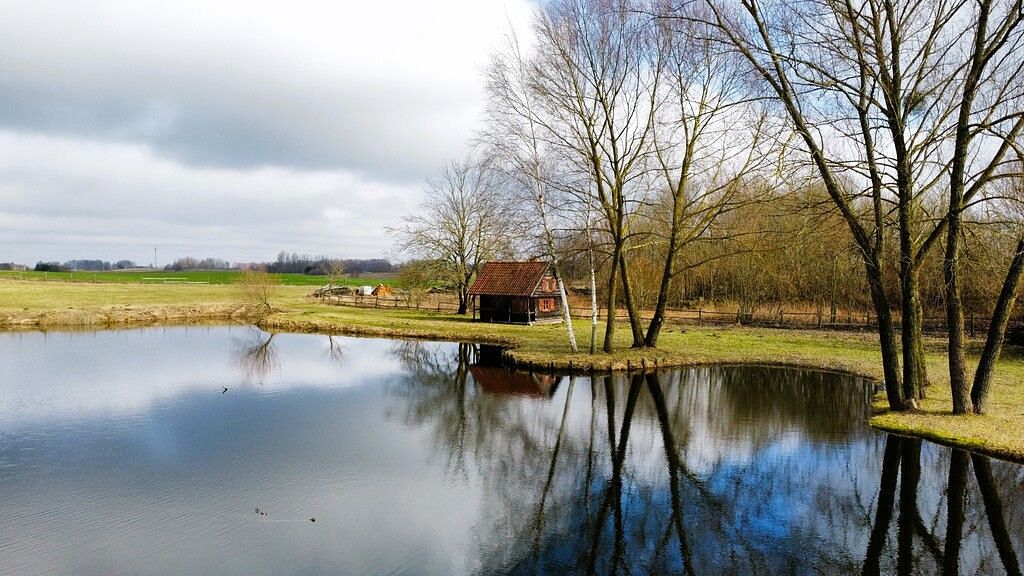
column 546, row 307
column 506, row 309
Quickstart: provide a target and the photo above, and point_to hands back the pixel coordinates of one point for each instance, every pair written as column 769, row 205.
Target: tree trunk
column 654, row 329
column 566, row 313
column 609, row 326
column 463, row 299
column 997, row 330
column 549, row 241
column 593, row 306
column 635, row 323
column 910, row 335
column 886, row 334
column 593, row 284
column 955, row 317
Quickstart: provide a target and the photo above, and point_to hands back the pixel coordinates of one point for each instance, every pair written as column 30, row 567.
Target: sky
column 232, row 129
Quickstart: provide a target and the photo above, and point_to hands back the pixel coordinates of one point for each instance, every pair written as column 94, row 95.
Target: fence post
column 819, row 318
column 972, row 324
column 700, row 308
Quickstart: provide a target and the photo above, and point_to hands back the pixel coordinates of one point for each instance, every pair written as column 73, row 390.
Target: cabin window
column 546, row 304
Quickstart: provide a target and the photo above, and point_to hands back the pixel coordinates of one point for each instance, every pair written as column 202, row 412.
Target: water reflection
column 256, row 355
column 424, row 458
column 725, row 470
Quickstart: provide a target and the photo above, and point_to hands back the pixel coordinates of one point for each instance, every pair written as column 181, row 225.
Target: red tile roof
column 509, row 278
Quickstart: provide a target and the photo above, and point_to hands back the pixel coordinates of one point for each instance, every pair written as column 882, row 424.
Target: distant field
column 161, row 277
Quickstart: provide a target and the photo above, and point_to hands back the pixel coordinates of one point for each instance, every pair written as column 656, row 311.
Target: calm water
column 121, row 453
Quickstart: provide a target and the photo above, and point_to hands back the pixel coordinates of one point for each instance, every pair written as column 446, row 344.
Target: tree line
column 322, row 265
column 815, row 151
column 83, row 265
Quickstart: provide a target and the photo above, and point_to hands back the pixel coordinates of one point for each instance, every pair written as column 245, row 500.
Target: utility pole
column 154, row 257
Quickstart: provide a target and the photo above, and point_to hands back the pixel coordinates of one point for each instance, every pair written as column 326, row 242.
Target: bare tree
column 988, row 102
column 415, row 278
column 335, row 270
column 461, row 225
column 1011, row 208
column 257, row 289
column 597, row 87
column 706, row 144
column 514, row 124
column 862, row 85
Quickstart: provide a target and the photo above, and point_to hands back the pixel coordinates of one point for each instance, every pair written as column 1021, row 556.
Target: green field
column 195, row 277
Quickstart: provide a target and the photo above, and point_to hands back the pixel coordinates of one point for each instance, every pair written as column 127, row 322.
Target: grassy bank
column 57, row 305
column 195, row 277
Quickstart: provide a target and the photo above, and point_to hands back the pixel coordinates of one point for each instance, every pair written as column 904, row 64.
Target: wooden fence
column 974, row 325
column 358, row 301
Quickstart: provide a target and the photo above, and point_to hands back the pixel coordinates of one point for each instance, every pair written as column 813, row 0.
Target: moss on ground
column 57, row 305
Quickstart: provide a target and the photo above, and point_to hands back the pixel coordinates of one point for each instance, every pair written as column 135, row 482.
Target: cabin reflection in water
column 494, row 378
column 498, row 380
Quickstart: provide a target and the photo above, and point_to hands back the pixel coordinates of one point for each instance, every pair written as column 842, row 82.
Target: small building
column 516, row 293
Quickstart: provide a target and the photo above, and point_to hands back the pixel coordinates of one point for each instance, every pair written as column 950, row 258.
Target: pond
column 212, row 450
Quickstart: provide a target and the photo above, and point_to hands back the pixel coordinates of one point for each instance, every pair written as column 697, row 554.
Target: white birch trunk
column 550, row 242
column 593, row 286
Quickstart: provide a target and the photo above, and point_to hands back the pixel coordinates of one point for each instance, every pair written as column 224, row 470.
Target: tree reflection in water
column 256, row 355
column 705, row 471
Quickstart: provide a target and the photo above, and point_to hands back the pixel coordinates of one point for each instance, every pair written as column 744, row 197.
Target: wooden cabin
column 516, row 293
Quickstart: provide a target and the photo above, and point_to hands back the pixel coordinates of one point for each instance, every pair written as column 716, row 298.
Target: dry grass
column 56, row 305
column 32, row 305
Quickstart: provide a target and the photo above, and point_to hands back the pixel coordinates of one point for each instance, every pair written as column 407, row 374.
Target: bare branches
column 257, row 288
column 462, row 224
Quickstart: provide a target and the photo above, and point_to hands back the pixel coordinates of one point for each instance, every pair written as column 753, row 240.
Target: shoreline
column 525, row 351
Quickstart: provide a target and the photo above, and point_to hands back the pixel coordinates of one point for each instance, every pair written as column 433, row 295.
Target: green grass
column 161, row 277
column 62, row 305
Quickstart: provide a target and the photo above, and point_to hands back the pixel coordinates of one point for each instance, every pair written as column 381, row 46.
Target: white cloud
column 232, row 129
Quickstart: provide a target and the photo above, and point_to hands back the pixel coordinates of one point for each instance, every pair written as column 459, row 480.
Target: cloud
column 389, row 87
column 238, row 124
column 79, row 197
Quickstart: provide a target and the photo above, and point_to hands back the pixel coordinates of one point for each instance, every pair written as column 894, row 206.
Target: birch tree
column 596, row 83
column 513, row 135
